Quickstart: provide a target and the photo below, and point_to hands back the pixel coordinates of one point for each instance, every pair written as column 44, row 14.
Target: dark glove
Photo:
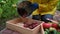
column 36, row 17
column 44, row 17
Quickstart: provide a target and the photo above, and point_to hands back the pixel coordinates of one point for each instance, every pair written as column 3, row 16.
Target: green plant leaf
column 1, row 11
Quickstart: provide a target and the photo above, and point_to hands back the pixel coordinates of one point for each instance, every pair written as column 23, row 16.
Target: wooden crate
column 17, row 25
column 41, row 29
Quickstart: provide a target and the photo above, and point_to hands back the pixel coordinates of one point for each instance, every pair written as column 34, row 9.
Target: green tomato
column 46, row 32
column 51, row 29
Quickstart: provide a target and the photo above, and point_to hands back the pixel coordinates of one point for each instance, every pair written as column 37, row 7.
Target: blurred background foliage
column 58, row 7
column 8, row 11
